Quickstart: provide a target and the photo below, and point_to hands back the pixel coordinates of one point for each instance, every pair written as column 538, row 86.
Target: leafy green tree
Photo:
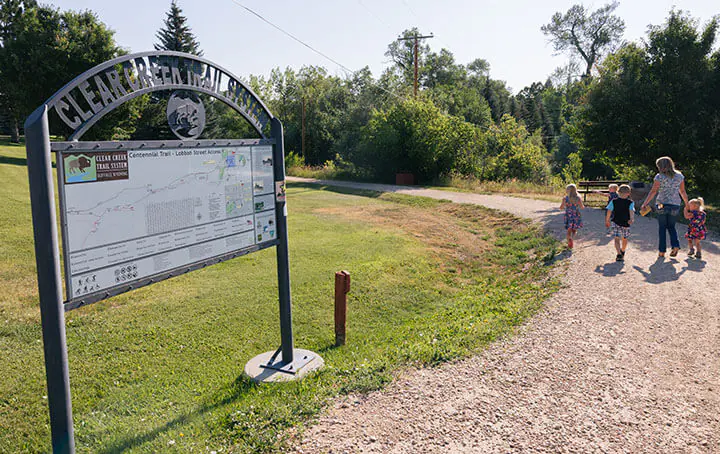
column 517, row 154
column 498, row 98
column 587, row 34
column 402, row 54
column 11, row 15
column 573, row 169
column 176, row 34
column 659, row 98
column 404, row 139
column 441, row 69
column 455, row 89
column 326, row 101
column 46, row 49
column 11, row 21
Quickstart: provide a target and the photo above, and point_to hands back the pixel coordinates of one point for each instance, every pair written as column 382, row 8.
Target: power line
column 373, row 14
column 290, row 35
column 412, row 11
column 295, row 38
column 345, row 68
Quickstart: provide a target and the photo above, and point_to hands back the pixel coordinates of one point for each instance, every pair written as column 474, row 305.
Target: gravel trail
column 624, row 359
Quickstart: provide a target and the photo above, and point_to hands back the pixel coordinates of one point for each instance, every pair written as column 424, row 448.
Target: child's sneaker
column 570, row 243
column 691, row 252
column 620, row 257
column 698, row 256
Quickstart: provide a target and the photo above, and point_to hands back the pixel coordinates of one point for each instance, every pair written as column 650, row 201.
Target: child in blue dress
column 572, row 204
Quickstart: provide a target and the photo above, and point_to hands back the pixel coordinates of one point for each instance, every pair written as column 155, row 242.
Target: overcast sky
column 356, row 33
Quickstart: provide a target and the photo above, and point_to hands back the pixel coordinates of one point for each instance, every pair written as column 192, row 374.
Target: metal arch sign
column 92, row 95
column 176, row 206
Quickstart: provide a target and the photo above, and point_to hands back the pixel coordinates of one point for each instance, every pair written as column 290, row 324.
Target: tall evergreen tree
column 176, row 34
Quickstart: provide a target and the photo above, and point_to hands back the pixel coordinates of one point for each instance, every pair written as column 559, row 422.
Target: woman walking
column 669, row 186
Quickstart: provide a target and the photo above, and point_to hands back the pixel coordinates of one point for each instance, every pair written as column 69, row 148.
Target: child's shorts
column 620, row 231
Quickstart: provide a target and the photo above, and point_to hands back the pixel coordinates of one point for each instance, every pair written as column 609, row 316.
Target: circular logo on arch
column 186, row 115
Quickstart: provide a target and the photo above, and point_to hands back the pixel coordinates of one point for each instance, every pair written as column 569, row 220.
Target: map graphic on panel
column 150, row 211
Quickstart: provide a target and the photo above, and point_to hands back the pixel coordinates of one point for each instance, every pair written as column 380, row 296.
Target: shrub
column 516, row 154
column 293, row 159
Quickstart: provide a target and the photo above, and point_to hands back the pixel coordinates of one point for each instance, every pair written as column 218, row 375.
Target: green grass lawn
column 160, row 369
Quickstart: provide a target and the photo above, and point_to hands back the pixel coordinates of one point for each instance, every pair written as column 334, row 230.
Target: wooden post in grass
column 342, row 287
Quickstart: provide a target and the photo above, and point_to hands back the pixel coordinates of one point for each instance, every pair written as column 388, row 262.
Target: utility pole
column 302, row 145
column 416, row 37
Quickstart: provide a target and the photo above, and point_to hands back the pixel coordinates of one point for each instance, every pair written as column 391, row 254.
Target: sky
column 356, row 33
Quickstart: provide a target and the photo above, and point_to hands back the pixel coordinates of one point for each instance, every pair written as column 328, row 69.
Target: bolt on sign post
column 134, row 213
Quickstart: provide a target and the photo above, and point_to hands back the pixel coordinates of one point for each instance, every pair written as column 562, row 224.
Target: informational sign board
column 135, row 213
column 131, row 214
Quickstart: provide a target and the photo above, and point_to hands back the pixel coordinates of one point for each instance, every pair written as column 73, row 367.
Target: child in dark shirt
column 621, row 215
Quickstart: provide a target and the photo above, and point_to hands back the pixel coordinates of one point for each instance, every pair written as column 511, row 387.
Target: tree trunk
column 14, row 130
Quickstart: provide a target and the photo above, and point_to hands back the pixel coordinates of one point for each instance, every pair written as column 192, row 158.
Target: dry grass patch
column 458, row 235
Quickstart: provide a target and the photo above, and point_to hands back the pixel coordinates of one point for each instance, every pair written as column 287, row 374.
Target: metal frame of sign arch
column 80, row 104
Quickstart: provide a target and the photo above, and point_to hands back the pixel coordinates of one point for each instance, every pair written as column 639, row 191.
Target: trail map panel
column 135, row 213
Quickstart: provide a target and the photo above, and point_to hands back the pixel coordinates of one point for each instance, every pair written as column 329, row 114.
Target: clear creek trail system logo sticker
column 186, row 114
column 97, row 166
column 80, row 168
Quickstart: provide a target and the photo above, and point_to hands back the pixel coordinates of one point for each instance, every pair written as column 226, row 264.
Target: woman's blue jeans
column 666, row 223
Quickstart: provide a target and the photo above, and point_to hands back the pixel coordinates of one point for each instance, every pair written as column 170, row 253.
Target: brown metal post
column 342, row 287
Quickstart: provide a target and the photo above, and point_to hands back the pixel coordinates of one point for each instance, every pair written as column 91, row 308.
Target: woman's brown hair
column 666, row 166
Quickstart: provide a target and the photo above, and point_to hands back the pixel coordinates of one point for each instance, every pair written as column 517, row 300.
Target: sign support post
column 50, row 287
column 283, row 264
column 294, row 363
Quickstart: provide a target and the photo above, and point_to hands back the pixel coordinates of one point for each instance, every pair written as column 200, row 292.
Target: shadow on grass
column 13, row 161
column 5, row 142
column 17, row 161
column 336, row 189
column 239, row 388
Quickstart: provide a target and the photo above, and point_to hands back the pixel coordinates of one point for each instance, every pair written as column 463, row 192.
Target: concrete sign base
column 260, row 369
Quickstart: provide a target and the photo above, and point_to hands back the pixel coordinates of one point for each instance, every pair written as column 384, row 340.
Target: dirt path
column 625, row 358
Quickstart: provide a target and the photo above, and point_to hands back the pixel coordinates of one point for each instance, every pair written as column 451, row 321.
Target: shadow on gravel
column 662, row 271
column 695, row 265
column 611, row 269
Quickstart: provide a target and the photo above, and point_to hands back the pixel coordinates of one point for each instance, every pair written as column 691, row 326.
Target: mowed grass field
column 160, row 369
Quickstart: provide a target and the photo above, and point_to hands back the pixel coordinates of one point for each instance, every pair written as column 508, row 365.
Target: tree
column 402, row 54
column 11, row 13
column 46, row 49
column 589, row 35
column 441, row 69
column 176, row 34
column 11, row 20
column 517, row 154
column 660, row 98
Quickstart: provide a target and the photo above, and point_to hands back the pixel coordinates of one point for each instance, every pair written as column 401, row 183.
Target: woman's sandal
column 674, row 252
column 661, row 254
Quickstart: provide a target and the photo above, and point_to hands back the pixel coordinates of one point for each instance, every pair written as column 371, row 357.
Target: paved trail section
column 625, row 358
